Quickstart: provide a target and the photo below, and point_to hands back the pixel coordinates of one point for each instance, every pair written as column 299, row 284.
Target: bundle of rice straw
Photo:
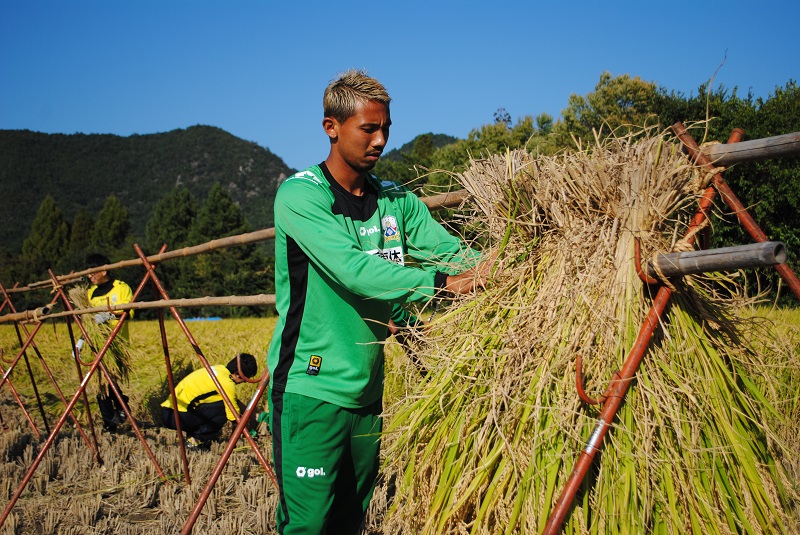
column 487, row 440
column 117, row 359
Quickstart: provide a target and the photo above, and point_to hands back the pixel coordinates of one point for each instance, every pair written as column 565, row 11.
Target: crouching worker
column 202, row 410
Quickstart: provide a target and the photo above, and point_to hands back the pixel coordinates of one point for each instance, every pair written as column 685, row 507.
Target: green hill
column 80, row 171
column 437, row 141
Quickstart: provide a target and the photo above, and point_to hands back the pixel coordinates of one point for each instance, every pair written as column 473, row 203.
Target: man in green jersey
column 342, row 238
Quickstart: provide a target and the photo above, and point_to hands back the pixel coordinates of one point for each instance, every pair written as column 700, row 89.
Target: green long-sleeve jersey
column 340, row 266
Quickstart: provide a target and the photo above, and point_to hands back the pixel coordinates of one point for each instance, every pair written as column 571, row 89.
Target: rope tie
column 684, row 245
column 702, row 181
column 660, row 274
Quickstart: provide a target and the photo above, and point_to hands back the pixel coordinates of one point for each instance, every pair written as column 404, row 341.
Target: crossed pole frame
column 29, row 342
column 96, row 363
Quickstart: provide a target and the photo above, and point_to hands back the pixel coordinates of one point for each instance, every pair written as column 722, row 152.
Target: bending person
column 201, row 408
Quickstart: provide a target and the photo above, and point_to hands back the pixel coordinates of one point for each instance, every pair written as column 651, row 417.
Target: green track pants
column 326, row 461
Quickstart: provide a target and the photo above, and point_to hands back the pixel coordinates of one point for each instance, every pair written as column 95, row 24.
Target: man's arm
column 466, row 268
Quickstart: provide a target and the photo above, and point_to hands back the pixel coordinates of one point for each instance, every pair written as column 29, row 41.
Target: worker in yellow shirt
column 105, row 290
column 200, row 406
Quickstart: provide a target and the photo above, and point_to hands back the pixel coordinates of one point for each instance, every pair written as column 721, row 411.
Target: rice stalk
column 487, row 441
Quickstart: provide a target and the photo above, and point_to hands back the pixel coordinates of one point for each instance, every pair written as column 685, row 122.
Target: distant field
column 218, row 340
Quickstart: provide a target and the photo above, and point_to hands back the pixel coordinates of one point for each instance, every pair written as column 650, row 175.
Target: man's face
column 360, row 140
column 98, row 277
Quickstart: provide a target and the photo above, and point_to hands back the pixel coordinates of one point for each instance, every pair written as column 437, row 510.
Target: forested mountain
column 80, row 172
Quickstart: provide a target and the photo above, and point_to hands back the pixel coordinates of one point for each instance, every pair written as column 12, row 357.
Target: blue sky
column 257, row 69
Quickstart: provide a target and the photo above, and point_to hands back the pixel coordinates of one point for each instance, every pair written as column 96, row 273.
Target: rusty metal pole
column 15, row 360
column 33, row 379
column 89, row 419
column 58, row 390
column 22, row 406
column 239, row 431
column 618, row 388
column 6, row 374
column 734, row 203
column 173, row 397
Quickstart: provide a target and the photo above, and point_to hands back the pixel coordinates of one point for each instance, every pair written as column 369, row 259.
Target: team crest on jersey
column 389, row 225
column 314, row 364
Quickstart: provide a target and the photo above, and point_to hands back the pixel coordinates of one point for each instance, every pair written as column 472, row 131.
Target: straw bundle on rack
column 117, row 359
column 486, row 441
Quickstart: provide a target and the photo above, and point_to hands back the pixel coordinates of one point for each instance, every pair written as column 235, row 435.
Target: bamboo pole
column 752, row 255
column 434, row 202
column 43, row 313
column 787, row 145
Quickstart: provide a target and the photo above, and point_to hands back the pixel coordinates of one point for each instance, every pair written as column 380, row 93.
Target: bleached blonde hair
column 349, row 88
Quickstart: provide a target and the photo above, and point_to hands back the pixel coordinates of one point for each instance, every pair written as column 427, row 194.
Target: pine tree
column 219, row 217
column 111, row 227
column 48, row 240
column 171, row 220
column 81, row 235
column 240, row 270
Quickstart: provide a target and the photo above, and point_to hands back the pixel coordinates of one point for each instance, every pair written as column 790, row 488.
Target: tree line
column 617, row 106
column 177, row 219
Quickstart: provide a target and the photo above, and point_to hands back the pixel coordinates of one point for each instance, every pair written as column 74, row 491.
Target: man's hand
column 474, row 279
column 393, row 327
column 78, row 347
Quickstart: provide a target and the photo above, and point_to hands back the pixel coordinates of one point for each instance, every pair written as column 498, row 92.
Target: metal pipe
column 33, row 379
column 7, row 301
column 752, row 255
column 89, row 419
column 735, row 204
column 173, row 397
column 239, row 431
column 22, row 406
